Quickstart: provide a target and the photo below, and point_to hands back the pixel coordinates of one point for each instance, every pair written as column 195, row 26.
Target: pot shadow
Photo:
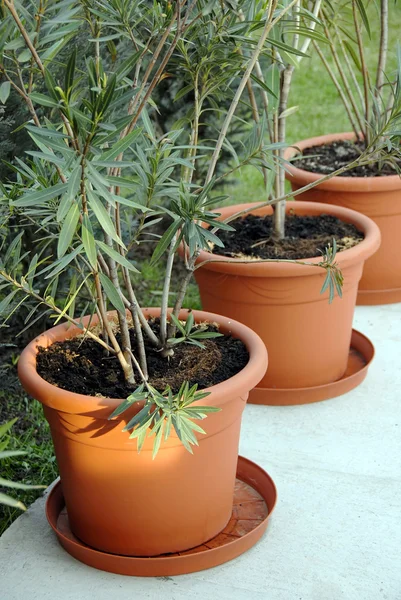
column 100, row 424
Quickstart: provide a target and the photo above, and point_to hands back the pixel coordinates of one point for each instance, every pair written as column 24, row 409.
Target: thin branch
column 339, row 89
column 343, row 76
column 251, row 64
column 38, row 18
column 166, row 290
column 351, row 70
column 121, row 355
column 312, row 26
column 381, row 65
column 365, row 73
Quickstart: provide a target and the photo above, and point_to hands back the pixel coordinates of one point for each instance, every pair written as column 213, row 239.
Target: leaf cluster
column 164, row 413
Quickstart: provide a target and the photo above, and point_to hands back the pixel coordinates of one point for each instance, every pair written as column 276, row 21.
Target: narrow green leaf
column 61, row 264
column 364, row 15
column 158, row 439
column 111, row 293
column 69, row 73
column 63, row 208
column 70, row 302
column 24, row 56
column 108, row 93
column 88, row 241
column 19, row 486
column 189, row 323
column 68, row 230
column 5, row 303
column 103, row 217
column 121, row 145
column 178, row 324
column 34, row 198
column 7, row 426
column 127, row 65
column 353, row 54
column 43, row 100
column 47, row 157
column 165, row 241
column 10, row 250
column 8, row 501
column 117, row 257
column 5, row 88
column 147, row 123
column 142, row 415
column 205, row 335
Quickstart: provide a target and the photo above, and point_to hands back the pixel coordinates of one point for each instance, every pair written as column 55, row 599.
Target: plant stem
column 166, row 290
column 279, row 212
column 339, row 89
column 343, row 76
column 381, row 65
column 125, row 365
column 365, row 73
column 269, row 24
column 38, row 18
column 312, row 26
column 351, row 70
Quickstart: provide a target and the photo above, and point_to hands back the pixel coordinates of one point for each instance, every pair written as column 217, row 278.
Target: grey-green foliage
column 162, row 412
column 99, row 171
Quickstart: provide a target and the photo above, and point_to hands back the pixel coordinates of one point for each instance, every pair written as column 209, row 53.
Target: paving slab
column 336, row 530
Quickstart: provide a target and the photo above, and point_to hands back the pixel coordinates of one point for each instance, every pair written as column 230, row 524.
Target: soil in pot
column 306, row 237
column 326, row 158
column 80, row 365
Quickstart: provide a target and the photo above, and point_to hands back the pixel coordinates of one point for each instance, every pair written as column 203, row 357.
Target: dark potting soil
column 80, row 365
column 329, row 157
column 306, row 237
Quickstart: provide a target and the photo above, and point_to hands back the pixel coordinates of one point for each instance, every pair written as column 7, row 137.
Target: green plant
column 5, row 483
column 371, row 98
column 100, row 175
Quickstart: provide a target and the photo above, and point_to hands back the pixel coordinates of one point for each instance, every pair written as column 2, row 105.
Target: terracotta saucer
column 361, row 354
column 254, row 500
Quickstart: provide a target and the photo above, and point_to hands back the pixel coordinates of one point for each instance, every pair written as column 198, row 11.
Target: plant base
column 376, row 297
column 360, row 356
column 254, row 500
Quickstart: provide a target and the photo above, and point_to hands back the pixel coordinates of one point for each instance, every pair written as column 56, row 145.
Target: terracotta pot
column 377, row 198
column 308, row 339
column 122, row 502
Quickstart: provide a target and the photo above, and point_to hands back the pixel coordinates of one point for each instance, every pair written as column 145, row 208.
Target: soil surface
column 306, row 237
column 80, row 365
column 330, row 157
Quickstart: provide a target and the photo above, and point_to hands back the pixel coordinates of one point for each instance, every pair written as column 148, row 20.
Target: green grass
column 320, row 111
column 30, row 434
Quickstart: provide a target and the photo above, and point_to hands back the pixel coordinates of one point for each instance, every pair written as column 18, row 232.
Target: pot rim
column 358, row 253
column 73, row 403
column 338, row 183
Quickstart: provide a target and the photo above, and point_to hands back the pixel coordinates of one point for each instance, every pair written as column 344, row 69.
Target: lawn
column 320, row 111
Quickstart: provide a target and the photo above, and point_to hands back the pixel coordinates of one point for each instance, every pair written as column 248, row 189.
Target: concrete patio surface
column 336, row 530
